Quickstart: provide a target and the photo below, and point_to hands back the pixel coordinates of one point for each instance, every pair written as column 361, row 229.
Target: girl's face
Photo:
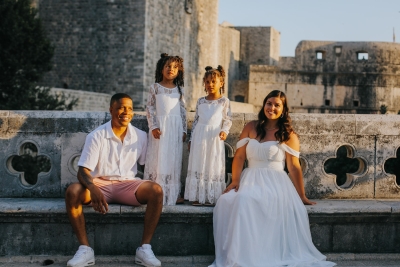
column 273, row 108
column 170, row 70
column 213, row 85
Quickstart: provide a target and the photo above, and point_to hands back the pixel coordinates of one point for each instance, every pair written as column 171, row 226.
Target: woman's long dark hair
column 179, row 80
column 284, row 122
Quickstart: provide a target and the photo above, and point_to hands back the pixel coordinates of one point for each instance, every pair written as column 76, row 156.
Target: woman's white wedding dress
column 265, row 223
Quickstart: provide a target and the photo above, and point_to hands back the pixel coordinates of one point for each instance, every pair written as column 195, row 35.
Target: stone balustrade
column 52, row 141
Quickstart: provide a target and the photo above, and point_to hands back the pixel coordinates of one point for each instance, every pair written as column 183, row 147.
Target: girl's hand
column 233, row 185
column 306, row 201
column 222, row 136
column 156, row 133
column 189, row 146
column 184, row 137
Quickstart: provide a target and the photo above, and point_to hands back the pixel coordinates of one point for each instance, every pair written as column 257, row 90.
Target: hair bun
column 164, row 55
column 208, row 68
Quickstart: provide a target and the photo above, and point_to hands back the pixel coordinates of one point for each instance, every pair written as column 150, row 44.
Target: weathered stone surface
column 40, row 226
column 378, row 125
column 385, row 183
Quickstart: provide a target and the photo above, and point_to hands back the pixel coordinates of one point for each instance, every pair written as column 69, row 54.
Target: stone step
column 41, row 227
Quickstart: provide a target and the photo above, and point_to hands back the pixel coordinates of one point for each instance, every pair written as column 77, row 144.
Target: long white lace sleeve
column 196, row 119
column 226, row 117
column 151, row 110
column 183, row 112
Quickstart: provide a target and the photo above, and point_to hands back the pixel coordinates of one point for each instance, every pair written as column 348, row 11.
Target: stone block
column 323, row 124
column 13, row 184
column 317, row 149
column 321, row 236
column 378, row 124
column 385, row 183
column 71, row 149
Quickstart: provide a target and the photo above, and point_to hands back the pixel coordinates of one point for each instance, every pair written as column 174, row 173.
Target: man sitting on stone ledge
column 107, row 170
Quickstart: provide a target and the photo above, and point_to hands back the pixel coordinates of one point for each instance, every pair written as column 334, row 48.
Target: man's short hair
column 118, row 96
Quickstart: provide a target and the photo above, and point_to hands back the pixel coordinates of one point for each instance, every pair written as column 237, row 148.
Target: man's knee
column 74, row 192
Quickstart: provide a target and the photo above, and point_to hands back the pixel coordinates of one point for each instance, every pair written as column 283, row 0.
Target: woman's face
column 273, row 108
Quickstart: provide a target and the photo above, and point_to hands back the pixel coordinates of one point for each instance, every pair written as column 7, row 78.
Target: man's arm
column 98, row 201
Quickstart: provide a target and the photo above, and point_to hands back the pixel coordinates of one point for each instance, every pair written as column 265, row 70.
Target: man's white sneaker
column 145, row 257
column 83, row 257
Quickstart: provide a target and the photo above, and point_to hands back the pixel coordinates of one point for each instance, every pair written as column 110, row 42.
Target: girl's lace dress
column 205, row 179
column 166, row 111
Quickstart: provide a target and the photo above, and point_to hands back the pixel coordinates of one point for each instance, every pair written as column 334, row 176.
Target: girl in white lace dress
column 260, row 220
column 205, row 179
column 166, row 116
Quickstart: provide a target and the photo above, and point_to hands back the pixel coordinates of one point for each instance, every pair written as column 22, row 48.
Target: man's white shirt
column 108, row 158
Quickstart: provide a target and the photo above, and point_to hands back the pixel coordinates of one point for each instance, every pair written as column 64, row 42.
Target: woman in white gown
column 260, row 220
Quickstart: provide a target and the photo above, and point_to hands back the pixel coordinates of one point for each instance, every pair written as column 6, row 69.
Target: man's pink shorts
column 120, row 192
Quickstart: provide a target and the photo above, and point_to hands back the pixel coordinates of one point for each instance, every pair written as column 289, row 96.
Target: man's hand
column 99, row 203
column 222, row 136
column 156, row 133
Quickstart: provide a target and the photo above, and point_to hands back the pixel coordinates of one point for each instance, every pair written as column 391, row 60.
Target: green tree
column 25, row 55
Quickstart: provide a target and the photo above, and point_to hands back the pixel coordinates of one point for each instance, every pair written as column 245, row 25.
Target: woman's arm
column 295, row 172
column 238, row 160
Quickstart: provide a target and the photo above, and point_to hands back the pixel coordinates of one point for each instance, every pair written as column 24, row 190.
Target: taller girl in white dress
column 261, row 220
column 205, row 179
column 166, row 116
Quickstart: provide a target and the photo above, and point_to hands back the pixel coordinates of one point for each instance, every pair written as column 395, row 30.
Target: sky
column 323, row 20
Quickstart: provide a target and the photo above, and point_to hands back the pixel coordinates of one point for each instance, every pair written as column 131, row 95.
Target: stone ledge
column 33, row 226
column 20, row 206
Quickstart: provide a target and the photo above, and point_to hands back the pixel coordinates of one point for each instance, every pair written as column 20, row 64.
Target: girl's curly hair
column 218, row 72
column 284, row 122
column 165, row 59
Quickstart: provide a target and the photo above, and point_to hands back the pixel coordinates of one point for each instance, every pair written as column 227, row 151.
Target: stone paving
column 345, row 259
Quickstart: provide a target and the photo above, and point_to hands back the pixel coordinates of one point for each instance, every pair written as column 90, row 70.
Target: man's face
column 121, row 112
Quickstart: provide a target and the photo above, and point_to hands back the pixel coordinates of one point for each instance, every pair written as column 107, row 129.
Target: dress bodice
column 269, row 154
column 210, row 114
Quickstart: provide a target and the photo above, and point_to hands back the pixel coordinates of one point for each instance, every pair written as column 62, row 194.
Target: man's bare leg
column 150, row 193
column 75, row 196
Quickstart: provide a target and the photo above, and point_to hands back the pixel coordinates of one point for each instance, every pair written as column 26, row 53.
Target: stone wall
column 87, row 101
column 99, row 45
column 55, row 140
column 326, row 92
column 229, row 55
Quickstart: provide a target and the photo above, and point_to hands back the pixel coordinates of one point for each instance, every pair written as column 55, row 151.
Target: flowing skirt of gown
column 265, row 223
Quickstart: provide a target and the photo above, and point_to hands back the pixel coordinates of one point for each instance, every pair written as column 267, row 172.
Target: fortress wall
column 58, row 137
column 228, row 55
column 275, row 42
column 99, row 45
column 170, row 29
column 383, row 58
column 309, row 90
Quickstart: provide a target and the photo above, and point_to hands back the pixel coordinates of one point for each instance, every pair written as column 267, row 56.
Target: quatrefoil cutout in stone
column 392, row 166
column 28, row 164
column 346, row 167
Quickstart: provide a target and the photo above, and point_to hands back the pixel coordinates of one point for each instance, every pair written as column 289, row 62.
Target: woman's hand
column 156, row 133
column 306, row 201
column 233, row 185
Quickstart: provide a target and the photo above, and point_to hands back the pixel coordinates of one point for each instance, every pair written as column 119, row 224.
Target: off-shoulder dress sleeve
column 226, row 117
column 242, row 142
column 290, row 150
column 151, row 111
